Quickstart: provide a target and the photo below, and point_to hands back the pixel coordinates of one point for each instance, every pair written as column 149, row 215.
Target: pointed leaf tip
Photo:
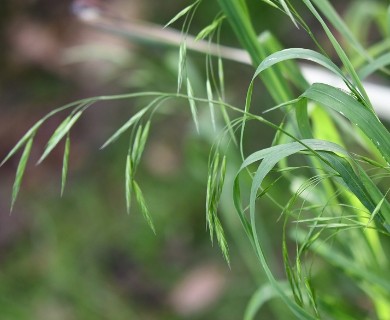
column 20, row 171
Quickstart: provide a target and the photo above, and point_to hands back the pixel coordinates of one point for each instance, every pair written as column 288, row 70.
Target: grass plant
column 331, row 152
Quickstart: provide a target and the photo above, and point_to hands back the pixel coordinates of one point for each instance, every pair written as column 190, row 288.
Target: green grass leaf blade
column 192, row 105
column 299, row 53
column 20, row 171
column 288, row 68
column 60, row 132
column 126, row 126
column 359, row 184
column 302, row 119
column 284, row 150
column 65, row 162
column 353, row 110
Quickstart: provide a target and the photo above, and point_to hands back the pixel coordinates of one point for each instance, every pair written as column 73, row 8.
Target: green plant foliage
column 333, row 201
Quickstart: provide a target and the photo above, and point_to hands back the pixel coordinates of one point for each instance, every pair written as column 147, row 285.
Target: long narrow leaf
column 20, row 171
column 353, row 110
column 289, row 69
column 299, row 53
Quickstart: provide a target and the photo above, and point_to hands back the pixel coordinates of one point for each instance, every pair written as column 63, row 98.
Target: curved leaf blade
column 353, row 110
column 299, row 53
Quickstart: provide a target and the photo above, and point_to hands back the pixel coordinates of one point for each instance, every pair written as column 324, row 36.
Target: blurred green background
column 81, row 256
